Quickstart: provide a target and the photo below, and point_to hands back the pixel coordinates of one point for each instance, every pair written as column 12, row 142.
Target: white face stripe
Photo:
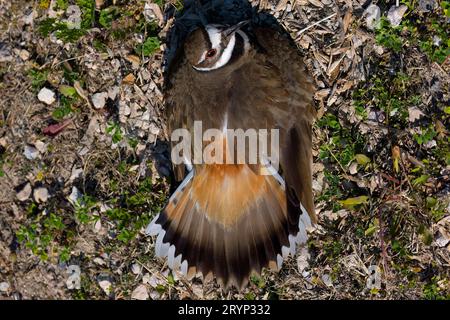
column 246, row 40
column 224, row 58
column 215, row 36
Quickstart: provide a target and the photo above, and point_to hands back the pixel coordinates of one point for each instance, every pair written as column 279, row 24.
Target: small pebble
column 47, row 96
column 74, row 279
column 4, row 286
column 40, row 146
column 136, row 268
column 106, row 286
column 442, row 241
column 30, row 152
column 24, row 55
column 74, row 195
column 396, row 14
column 99, row 100
column 113, row 92
column 427, row 5
column 25, row 193
column 146, row 278
column 40, row 195
column 353, row 169
column 140, row 293
column 302, row 260
column 99, row 261
column 437, row 40
column 414, row 114
column 75, row 174
column 327, row 280
column 373, row 15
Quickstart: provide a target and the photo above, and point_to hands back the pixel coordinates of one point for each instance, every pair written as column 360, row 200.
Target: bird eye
column 211, row 53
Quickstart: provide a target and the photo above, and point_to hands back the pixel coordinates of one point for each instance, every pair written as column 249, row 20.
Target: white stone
column 40, row 195
column 99, row 100
column 28, row 19
column 154, row 129
column 430, row 144
column 113, row 92
column 24, row 55
column 99, row 261
column 74, row 279
column 155, row 295
column 124, row 109
column 442, row 241
column 373, row 15
column 140, row 293
column 40, row 146
column 154, row 281
column 136, row 268
column 414, row 114
column 378, row 49
column 327, row 280
column 395, row 14
column 25, row 193
column 74, row 17
column 74, row 196
column 98, row 226
column 76, row 173
column 302, row 260
column 437, row 41
column 30, row 152
column 4, row 286
column 47, row 96
column 353, row 169
column 106, row 286
column 146, row 278
column 73, row 282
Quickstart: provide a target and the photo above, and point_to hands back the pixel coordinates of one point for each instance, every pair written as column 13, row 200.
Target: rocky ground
column 84, row 166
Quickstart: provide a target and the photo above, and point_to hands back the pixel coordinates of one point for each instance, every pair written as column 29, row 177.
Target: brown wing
column 177, row 110
column 274, row 90
column 296, row 157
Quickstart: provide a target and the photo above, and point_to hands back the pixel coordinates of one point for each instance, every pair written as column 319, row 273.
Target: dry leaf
column 316, row 3
column 135, row 60
column 352, row 202
column 333, row 70
column 54, row 129
column 395, row 157
column 414, row 114
column 353, row 169
column 129, row 79
column 321, row 94
column 346, row 21
column 81, row 92
column 347, row 85
column 362, row 159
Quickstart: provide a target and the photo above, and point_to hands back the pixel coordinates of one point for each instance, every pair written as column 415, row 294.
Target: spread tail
column 228, row 221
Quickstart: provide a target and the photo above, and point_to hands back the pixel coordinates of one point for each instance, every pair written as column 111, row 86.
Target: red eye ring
column 211, row 53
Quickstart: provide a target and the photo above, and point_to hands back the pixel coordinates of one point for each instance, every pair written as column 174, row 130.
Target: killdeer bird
column 229, row 220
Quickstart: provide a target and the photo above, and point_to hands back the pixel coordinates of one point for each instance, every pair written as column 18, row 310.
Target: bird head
column 214, row 46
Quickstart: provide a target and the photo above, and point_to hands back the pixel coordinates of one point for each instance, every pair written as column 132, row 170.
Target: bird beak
column 236, row 27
